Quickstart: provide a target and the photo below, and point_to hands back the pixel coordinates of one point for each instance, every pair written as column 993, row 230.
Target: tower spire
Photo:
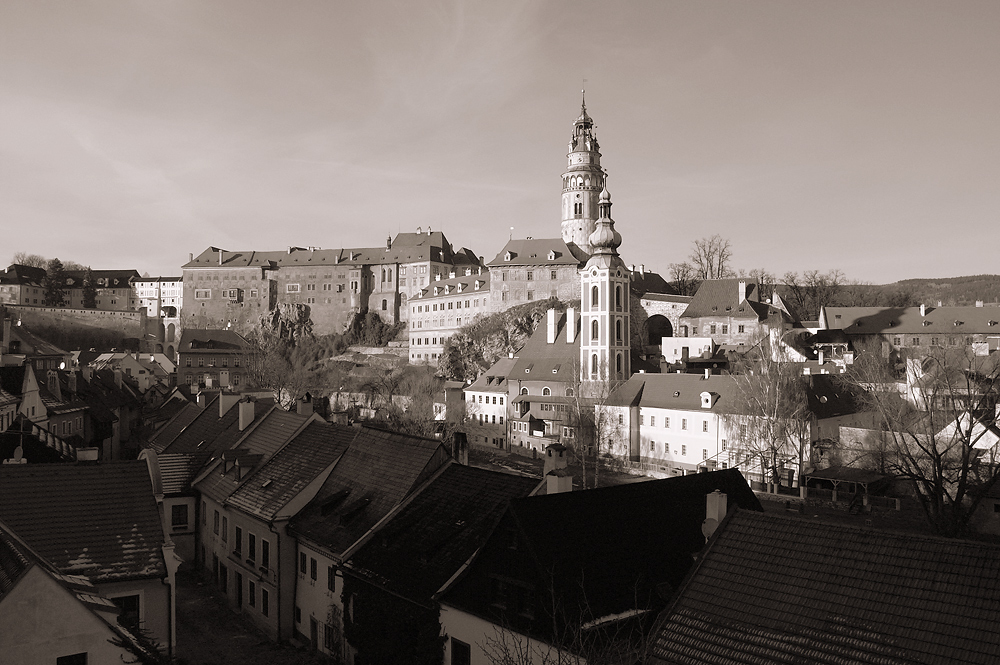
column 582, row 181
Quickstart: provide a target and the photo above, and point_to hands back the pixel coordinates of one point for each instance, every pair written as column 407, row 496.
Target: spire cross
column 583, row 94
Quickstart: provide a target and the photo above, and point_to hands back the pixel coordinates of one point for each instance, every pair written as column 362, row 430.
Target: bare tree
column 710, row 257
column 805, row 295
column 26, row 259
column 684, row 278
column 937, row 429
column 598, row 438
column 768, row 420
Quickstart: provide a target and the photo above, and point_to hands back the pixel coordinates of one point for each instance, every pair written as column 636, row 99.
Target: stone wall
column 72, row 329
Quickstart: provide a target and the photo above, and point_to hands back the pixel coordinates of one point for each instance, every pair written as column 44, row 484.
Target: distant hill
column 952, row 291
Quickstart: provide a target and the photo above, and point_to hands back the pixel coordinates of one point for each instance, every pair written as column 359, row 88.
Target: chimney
column 570, row 325
column 820, row 358
column 71, row 382
column 226, row 402
column 979, row 303
column 642, row 269
column 388, row 243
column 52, row 383
column 419, row 230
column 428, row 230
column 923, row 310
column 5, row 343
column 220, row 257
column 558, row 481
column 304, row 405
column 550, row 336
column 742, row 294
column 118, row 377
column 715, row 512
column 87, row 373
column 708, row 373
column 555, row 458
column 202, row 399
column 190, row 257
column 246, row 412
column 460, row 448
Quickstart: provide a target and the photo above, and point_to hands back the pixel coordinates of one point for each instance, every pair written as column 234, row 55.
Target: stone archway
column 658, row 327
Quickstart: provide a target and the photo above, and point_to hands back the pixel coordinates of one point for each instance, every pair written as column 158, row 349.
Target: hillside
column 474, row 348
column 952, row 291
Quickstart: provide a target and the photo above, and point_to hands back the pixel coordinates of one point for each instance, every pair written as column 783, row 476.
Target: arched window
column 546, row 391
column 618, row 364
column 569, row 392
column 588, row 182
column 618, row 331
column 593, row 364
column 524, row 391
column 385, row 304
column 595, row 330
column 618, row 298
column 594, row 297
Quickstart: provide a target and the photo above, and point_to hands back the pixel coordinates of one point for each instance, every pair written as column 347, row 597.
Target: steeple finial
column 583, row 98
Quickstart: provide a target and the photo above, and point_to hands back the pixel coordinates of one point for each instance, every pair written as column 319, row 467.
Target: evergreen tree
column 89, row 289
column 55, row 284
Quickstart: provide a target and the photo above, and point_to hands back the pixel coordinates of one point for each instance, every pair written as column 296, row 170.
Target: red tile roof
column 777, row 589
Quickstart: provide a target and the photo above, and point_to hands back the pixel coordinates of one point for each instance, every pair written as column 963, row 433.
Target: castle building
column 224, row 289
column 440, row 310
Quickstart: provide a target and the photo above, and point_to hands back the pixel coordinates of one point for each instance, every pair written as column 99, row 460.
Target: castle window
column 618, row 363
column 595, row 329
column 618, row 298
column 593, row 364
column 618, row 331
column 546, row 391
column 594, row 298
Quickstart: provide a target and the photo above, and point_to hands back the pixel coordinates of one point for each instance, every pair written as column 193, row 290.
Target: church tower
column 582, row 183
column 604, row 305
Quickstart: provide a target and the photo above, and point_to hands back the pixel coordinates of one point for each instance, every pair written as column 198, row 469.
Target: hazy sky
column 863, row 136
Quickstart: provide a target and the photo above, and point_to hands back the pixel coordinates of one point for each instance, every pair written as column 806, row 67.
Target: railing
column 53, row 441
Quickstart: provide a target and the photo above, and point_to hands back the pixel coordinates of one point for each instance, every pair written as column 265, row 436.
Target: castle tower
column 582, row 183
column 604, row 304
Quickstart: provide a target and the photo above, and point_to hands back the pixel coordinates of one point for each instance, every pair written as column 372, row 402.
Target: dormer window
column 508, row 256
column 552, row 255
column 706, row 400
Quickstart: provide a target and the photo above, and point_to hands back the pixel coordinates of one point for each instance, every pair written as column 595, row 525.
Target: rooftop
column 777, row 589
column 96, row 520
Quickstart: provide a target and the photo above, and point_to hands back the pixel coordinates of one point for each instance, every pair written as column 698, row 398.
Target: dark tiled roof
column 495, row 378
column 430, row 538
column 177, row 470
column 267, row 438
column 535, row 252
column 602, row 552
column 183, row 414
column 375, row 473
column 12, row 379
column 293, row 467
column 450, row 286
column 720, row 297
column 210, row 341
column 209, row 431
column 776, row 589
column 538, row 360
column 907, row 320
column 14, row 562
column 677, row 391
column 96, row 520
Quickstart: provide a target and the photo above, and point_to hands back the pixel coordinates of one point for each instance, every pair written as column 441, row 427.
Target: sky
column 861, row 136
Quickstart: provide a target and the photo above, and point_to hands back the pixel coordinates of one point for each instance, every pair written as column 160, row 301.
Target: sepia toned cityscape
column 456, row 334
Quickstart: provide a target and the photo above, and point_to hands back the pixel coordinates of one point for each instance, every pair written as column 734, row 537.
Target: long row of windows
column 666, row 422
